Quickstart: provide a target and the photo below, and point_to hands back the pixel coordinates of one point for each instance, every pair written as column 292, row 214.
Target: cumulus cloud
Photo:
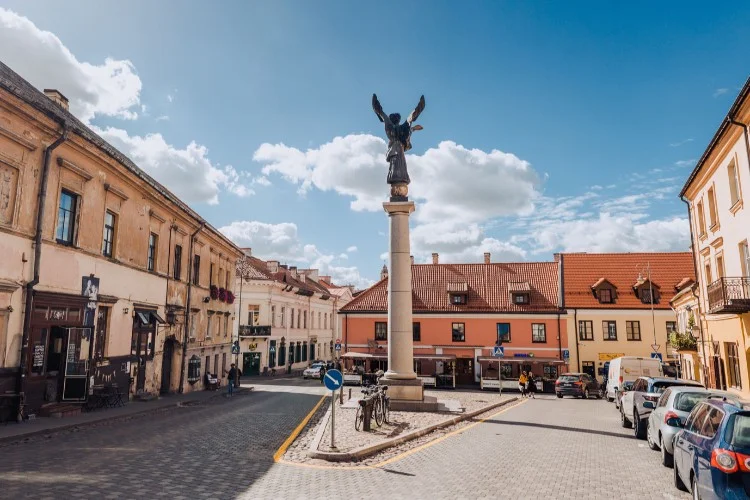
column 351, row 249
column 187, row 172
column 720, row 91
column 111, row 88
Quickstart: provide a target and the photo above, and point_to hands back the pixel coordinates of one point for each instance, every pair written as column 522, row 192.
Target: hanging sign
column 39, row 355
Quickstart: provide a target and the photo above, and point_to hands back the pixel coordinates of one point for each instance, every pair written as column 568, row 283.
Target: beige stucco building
column 288, row 317
column 716, row 192
column 609, row 308
column 98, row 277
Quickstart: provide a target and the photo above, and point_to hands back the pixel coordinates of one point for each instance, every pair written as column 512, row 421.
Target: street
column 224, row 449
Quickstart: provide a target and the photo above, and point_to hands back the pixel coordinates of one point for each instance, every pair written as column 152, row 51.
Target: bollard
column 368, row 414
column 350, row 394
column 341, row 395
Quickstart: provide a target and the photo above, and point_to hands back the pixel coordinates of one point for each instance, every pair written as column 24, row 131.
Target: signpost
column 566, row 355
column 499, row 352
column 333, row 380
column 655, row 347
column 657, row 355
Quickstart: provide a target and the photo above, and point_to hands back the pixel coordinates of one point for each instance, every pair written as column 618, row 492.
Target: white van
column 629, row 368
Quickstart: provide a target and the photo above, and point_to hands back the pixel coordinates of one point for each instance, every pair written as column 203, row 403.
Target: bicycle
column 379, row 411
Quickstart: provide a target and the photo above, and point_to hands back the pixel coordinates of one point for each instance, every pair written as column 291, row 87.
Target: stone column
column 400, row 340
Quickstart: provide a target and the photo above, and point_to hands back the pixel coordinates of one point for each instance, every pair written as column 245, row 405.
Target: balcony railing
column 254, row 331
column 729, row 295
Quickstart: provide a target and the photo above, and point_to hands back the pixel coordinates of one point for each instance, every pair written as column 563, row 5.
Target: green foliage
column 684, row 341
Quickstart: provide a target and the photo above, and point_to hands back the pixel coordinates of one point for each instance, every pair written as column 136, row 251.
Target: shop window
column 381, row 330
column 506, row 370
column 304, row 351
column 312, row 352
column 177, row 271
column 194, row 369
column 589, row 368
column 272, row 354
column 609, row 328
column 66, row 217
column 585, row 330
column 282, row 354
column 153, row 242
column 550, row 372
column 416, row 331
column 733, row 363
column 108, row 239
column 538, row 332
column 101, row 333
column 633, row 330
column 458, row 332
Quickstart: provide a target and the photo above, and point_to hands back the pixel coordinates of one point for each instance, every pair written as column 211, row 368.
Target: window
column 66, row 217
column 695, row 420
column 153, row 241
column 503, row 332
column 320, row 320
column 458, row 299
column 381, row 331
column 304, row 319
column 291, row 319
column 745, row 258
column 304, row 351
column 298, row 352
column 733, row 362
column 208, row 326
column 282, row 354
column 211, row 274
column 550, row 372
column 709, row 277
column 283, row 316
column 520, row 298
column 538, row 332
column 325, row 318
column 664, row 398
column 609, row 328
column 253, row 315
column 312, row 352
column 273, row 315
column 605, row 295
column 701, row 219
column 196, row 269
column 223, row 363
column 734, row 183
column 226, row 325
column 177, row 272
column 720, row 265
column 208, row 364
column 101, row 333
column 416, row 331
column 588, row 367
column 713, row 217
column 647, row 292
column 108, row 239
column 585, row 330
column 672, row 327
column 633, row 330
column 299, row 317
column 458, row 331
column 711, row 423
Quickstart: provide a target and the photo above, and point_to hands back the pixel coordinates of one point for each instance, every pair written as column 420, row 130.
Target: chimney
column 327, row 279
column 312, row 274
column 486, row 257
column 247, row 251
column 411, row 257
column 293, row 271
column 435, row 258
column 57, row 96
column 273, row 266
column 384, row 272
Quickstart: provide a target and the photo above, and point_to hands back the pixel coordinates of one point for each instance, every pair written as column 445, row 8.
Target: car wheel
column 694, row 489
column 624, row 420
column 559, row 395
column 638, row 427
column 651, row 443
column 667, row 459
column 678, row 481
column 586, row 394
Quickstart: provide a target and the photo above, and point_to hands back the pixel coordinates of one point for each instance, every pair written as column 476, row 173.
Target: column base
column 404, row 390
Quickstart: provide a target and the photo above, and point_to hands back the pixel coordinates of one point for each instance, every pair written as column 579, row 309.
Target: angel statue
column 399, row 141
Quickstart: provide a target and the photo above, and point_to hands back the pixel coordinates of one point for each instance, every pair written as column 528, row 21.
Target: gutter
column 40, row 211
column 187, row 307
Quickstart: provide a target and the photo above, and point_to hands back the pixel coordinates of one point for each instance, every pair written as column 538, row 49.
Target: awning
column 364, row 355
column 356, row 355
column 546, row 361
column 147, row 316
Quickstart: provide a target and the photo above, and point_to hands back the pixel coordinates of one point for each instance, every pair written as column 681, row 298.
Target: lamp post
column 241, row 268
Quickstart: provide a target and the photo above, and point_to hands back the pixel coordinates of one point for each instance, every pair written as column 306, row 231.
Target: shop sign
column 252, row 347
column 523, row 355
column 609, row 356
column 39, row 355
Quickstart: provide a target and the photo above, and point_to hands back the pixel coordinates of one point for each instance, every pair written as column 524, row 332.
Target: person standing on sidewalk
column 531, row 386
column 322, row 374
column 231, row 375
column 522, row 380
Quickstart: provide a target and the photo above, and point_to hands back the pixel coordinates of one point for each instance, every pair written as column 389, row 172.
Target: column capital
column 395, row 207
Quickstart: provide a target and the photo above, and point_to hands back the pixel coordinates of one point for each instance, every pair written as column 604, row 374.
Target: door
column 166, row 366
column 251, row 363
column 76, row 372
column 465, row 371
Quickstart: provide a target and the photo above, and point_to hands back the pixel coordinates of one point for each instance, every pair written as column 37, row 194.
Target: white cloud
column 170, row 97
column 680, row 143
column 685, row 163
column 351, row 249
column 721, row 91
column 111, row 88
column 162, row 118
column 187, row 172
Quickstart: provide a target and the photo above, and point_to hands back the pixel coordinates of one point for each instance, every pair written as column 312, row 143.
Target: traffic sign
column 655, row 347
column 338, row 341
column 498, row 351
column 235, row 348
column 337, row 347
column 333, row 380
column 566, row 354
column 657, row 355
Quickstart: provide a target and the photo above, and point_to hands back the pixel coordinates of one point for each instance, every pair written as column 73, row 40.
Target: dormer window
column 520, row 292
column 604, row 291
column 458, row 298
column 520, row 298
column 644, row 289
column 458, row 293
column 605, row 296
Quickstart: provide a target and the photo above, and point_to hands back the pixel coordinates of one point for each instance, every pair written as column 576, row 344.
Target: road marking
column 407, row 452
column 289, row 440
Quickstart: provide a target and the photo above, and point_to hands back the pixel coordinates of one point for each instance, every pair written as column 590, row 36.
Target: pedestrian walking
column 531, row 389
column 322, row 375
column 231, row 375
column 522, row 379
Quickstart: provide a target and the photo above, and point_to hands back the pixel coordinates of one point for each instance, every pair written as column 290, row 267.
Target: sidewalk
column 44, row 425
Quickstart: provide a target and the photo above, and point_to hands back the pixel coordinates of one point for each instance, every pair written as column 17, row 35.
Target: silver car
column 673, row 407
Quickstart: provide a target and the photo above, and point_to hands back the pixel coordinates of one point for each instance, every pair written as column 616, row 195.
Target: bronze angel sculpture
column 399, row 141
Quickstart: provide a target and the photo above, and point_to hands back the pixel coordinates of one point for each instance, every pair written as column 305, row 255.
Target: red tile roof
column 487, row 286
column 581, row 271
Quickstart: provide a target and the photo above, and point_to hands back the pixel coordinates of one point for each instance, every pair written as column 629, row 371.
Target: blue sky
column 549, row 126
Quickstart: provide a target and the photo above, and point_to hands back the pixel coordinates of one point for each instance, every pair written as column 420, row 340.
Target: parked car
column 632, row 410
column 580, row 385
column 712, row 452
column 675, row 402
column 627, row 369
column 626, row 387
column 313, row 371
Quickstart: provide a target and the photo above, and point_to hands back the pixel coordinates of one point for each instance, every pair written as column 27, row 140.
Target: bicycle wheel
column 377, row 411
column 386, row 409
column 358, row 418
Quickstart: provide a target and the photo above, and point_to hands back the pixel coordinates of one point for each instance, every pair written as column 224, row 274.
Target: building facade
column 618, row 304
column 98, row 261
column 715, row 193
column 460, row 312
column 287, row 317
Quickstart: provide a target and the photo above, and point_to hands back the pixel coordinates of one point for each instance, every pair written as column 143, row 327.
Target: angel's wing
column 415, row 114
column 379, row 110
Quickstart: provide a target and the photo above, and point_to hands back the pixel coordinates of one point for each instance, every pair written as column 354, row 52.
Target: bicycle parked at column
column 379, row 409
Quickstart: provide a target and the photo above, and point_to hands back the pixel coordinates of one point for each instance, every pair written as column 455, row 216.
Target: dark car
column 580, row 385
column 712, row 452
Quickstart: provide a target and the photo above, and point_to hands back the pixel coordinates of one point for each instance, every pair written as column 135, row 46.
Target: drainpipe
column 40, row 206
column 187, row 306
column 695, row 270
column 575, row 326
column 559, row 338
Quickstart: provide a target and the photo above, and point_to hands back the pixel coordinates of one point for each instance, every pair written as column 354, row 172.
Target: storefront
column 545, row 371
column 435, row 370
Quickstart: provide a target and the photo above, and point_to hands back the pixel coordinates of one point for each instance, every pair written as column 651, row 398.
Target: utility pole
column 241, row 269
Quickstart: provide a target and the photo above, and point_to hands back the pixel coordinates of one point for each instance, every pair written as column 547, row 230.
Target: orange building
column 460, row 312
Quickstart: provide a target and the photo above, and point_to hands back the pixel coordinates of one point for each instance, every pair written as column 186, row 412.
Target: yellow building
column 618, row 305
column 720, row 228
column 691, row 349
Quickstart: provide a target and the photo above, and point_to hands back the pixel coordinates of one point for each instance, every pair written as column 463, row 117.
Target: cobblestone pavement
column 542, row 448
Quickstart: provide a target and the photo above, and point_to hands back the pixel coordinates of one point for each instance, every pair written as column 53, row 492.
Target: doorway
column 465, row 371
column 251, row 363
column 166, row 366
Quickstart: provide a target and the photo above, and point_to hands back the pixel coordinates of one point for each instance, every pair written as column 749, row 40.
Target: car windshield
column 739, row 430
column 686, row 401
column 626, row 386
column 662, row 386
column 569, row 378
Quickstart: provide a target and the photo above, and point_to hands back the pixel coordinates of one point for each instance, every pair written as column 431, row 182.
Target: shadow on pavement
column 559, row 428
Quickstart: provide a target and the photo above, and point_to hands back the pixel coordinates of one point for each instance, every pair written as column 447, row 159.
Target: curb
column 366, row 451
column 18, row 438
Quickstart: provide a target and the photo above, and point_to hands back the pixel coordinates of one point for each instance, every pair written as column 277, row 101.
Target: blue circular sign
column 333, row 380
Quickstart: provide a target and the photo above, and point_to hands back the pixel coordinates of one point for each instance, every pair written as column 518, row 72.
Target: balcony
column 255, row 331
column 729, row 295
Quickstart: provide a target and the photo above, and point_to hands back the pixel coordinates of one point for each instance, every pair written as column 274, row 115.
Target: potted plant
column 214, row 292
